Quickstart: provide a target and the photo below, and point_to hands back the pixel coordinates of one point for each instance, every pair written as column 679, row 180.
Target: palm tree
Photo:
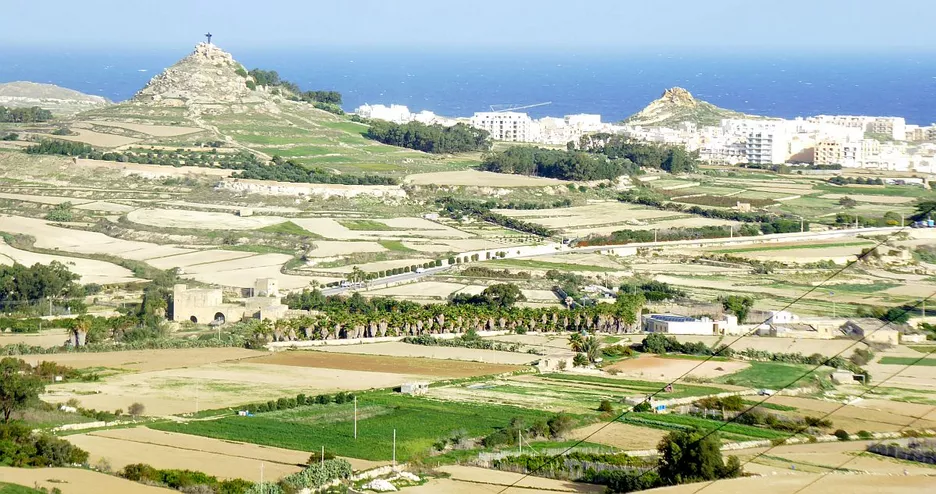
column 591, row 347
column 576, row 342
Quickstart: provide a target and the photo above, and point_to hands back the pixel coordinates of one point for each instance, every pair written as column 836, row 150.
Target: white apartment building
column 505, row 126
column 767, row 147
column 584, row 122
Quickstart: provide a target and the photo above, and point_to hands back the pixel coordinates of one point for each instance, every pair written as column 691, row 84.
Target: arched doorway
column 219, row 318
column 194, row 319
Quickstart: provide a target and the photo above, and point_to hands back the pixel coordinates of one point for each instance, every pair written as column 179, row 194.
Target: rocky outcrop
column 208, row 76
column 676, row 106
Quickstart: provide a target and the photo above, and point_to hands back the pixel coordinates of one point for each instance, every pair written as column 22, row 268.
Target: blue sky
column 606, row 25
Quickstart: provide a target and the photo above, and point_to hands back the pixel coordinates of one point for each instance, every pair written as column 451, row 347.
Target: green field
column 794, row 247
column 17, row 489
column 296, row 151
column 678, row 422
column 394, row 246
column 418, row 423
column 533, row 264
column 926, row 362
column 288, row 228
column 365, row 225
column 774, row 375
column 637, row 387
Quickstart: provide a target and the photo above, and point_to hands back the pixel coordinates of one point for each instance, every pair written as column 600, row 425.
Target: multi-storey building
column 892, row 127
column 505, row 126
column 767, row 146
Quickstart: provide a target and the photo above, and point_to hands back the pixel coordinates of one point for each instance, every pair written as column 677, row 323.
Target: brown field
column 90, row 271
column 398, row 349
column 821, row 457
column 152, row 171
column 482, row 179
column 96, row 139
column 221, row 385
column 467, row 480
column 622, row 436
column 668, row 369
column 76, row 481
column 869, row 415
column 800, row 483
column 224, row 459
column 146, row 360
column 329, row 248
column 45, row 339
column 384, row 364
column 153, row 130
column 180, row 218
column 43, row 199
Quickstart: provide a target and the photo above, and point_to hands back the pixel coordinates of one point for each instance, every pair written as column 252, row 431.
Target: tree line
column 24, row 115
column 288, row 171
column 670, row 158
column 459, row 208
column 23, row 289
column 552, row 163
column 438, row 139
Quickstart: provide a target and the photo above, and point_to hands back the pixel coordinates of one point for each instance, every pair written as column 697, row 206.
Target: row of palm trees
column 438, row 319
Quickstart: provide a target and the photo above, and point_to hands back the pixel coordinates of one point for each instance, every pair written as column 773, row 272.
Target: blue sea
column 614, row 85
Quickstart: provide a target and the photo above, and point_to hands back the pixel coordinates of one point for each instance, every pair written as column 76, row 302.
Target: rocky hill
column 209, row 76
column 48, row 96
column 676, row 106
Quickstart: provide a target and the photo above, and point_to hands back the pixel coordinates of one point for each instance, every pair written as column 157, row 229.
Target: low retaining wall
column 295, row 345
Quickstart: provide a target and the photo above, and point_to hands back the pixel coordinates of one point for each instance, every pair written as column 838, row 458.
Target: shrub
column 323, row 399
column 605, row 406
column 865, row 435
column 560, row 424
column 251, row 85
column 136, row 409
column 643, row 407
column 580, row 360
column 842, row 435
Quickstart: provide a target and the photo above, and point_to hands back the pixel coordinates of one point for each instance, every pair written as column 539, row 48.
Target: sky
column 433, row 25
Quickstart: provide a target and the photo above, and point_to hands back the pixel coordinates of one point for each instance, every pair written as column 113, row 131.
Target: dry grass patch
column 77, row 481
column 153, row 130
column 619, row 435
column 180, row 218
column 96, row 139
column 337, row 358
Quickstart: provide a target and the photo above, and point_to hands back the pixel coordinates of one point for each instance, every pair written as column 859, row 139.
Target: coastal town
column 866, row 142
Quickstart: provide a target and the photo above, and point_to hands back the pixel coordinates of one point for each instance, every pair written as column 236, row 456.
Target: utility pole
column 520, row 441
column 50, row 306
column 654, row 236
column 355, row 417
column 394, row 449
column 901, row 220
column 323, row 456
column 196, row 397
column 802, row 225
column 261, row 478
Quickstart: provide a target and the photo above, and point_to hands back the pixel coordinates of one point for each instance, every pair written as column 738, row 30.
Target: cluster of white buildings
column 502, row 125
column 882, row 143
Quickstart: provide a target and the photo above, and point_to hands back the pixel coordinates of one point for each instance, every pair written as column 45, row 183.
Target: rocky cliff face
column 676, row 106
column 207, row 76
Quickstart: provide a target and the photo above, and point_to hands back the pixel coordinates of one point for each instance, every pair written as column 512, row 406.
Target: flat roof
column 672, row 318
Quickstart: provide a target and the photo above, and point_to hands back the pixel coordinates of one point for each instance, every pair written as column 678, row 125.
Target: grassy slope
column 926, row 362
column 418, row 423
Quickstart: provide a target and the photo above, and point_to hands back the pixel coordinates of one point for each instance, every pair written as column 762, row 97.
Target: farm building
column 873, row 331
column 206, row 305
column 673, row 324
column 415, row 388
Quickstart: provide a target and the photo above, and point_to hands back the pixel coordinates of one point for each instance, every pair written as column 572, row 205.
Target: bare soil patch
column 45, row 339
column 90, row 271
column 146, row 360
column 153, row 130
column 497, row 479
column 652, row 367
column 802, row 483
column 180, row 218
column 398, row 349
column 96, row 139
column 76, row 481
column 151, row 171
column 332, row 359
column 329, row 248
column 622, row 436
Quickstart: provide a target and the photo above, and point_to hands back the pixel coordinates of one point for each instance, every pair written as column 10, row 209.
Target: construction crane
column 503, row 108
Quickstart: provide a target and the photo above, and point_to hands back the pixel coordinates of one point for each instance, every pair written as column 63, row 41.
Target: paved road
column 778, row 237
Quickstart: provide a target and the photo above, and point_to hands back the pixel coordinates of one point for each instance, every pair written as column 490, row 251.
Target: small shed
column 414, row 388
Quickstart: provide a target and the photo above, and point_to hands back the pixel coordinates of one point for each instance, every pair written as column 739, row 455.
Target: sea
column 615, row 85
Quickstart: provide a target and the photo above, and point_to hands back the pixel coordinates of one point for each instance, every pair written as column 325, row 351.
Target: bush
column 61, row 212
column 605, row 406
column 560, row 424
column 865, row 435
column 251, row 85
column 580, row 360
column 842, row 435
column 643, row 407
